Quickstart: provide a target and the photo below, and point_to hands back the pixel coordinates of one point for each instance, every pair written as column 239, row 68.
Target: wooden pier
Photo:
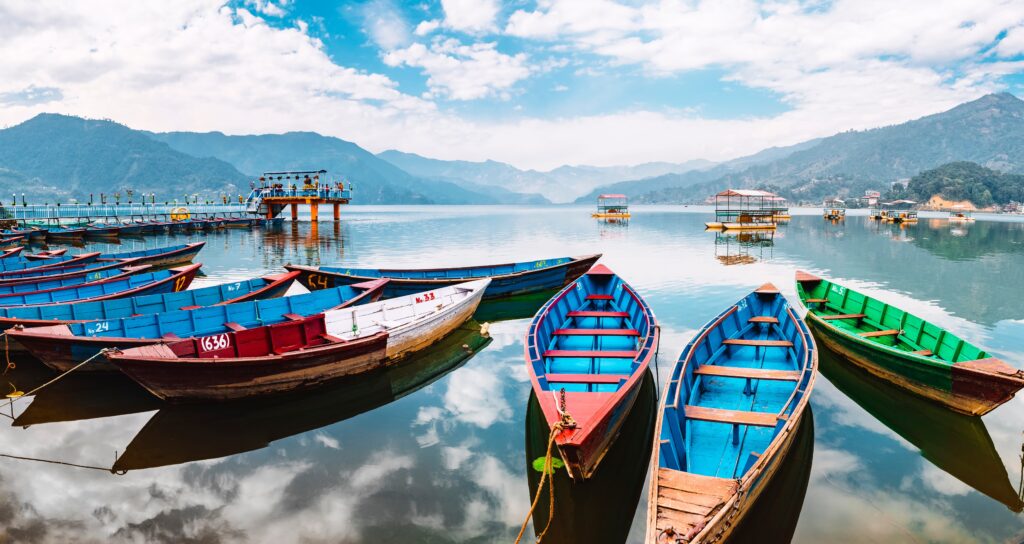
column 280, row 189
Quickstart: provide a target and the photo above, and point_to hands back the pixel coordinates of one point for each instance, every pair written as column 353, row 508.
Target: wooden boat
column 906, row 350
column 960, row 215
column 185, row 433
column 271, row 286
column 13, row 252
column 237, row 223
column 82, row 273
column 11, row 241
column 106, row 232
column 129, row 284
column 63, row 346
column 130, row 230
column 301, row 353
column 158, row 256
column 83, row 276
column 506, row 279
column 46, row 254
column 586, row 353
column 731, row 407
column 29, row 233
column 17, row 267
column 65, row 233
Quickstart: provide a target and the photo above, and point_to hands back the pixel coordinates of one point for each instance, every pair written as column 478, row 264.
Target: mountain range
column 55, row 157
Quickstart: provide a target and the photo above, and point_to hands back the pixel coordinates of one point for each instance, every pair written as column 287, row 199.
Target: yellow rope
column 59, row 376
column 548, row 472
column 7, row 355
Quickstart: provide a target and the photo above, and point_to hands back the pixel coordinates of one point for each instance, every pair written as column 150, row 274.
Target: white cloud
column 385, row 24
column 426, row 27
column 463, row 72
column 470, row 15
column 267, row 7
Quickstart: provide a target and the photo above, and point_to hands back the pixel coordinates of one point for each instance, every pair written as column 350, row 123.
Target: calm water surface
column 440, row 450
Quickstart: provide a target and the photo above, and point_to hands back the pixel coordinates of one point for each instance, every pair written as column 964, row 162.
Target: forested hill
column 967, row 181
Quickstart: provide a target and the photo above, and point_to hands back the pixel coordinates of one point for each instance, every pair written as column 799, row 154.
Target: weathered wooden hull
column 502, row 286
column 582, row 460
column 962, row 390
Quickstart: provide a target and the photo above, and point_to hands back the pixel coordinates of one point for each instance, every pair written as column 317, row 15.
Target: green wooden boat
column 906, row 350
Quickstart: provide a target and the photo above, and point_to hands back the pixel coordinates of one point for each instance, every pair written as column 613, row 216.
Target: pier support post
column 337, row 212
column 314, row 211
column 270, row 211
column 295, row 212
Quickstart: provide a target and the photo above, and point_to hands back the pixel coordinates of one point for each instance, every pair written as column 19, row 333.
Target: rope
column 7, row 354
column 65, row 463
column 59, row 376
column 564, row 423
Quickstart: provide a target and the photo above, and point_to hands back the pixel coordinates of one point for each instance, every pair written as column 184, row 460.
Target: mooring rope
column 7, row 354
column 15, row 395
column 65, row 463
column 564, row 423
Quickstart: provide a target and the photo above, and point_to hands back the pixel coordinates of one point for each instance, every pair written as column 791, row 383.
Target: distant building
column 871, row 197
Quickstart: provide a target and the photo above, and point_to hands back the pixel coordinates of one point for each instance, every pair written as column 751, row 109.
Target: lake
column 441, row 449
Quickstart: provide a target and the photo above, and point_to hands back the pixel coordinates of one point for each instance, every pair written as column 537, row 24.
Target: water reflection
column 180, row 434
column 733, row 248
column 958, row 444
column 600, row 509
column 80, row 396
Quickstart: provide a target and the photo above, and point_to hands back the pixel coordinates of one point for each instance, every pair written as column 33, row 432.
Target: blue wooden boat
column 586, row 353
column 45, row 254
column 49, row 283
column 157, row 256
column 728, row 417
column 102, row 231
column 65, row 233
column 271, row 286
column 506, row 279
column 63, row 346
column 29, row 233
column 12, row 268
column 91, row 270
column 14, row 252
column 129, row 285
column 12, row 241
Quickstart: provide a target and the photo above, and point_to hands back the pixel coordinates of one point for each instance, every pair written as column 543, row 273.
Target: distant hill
column 988, row 131
column 967, row 181
column 375, row 181
column 56, row 157
column 562, row 184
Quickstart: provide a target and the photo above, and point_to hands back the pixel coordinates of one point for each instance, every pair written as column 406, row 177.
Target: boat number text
column 214, row 343
column 426, row 297
column 318, row 281
column 179, row 284
column 103, row 326
column 234, row 287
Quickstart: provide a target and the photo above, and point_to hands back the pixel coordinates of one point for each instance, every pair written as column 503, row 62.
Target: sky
column 537, row 84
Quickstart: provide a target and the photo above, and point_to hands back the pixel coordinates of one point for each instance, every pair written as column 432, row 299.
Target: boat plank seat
column 597, row 332
column 293, row 317
column 764, row 319
column 817, row 300
column 687, row 501
column 925, row 352
column 761, row 343
column 234, row 326
column 876, row 334
column 585, row 378
column 842, row 316
column 590, row 353
column 595, row 313
column 600, row 297
column 735, row 417
column 750, row 373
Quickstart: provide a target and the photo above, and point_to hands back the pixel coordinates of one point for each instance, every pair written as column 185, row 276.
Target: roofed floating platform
column 748, row 209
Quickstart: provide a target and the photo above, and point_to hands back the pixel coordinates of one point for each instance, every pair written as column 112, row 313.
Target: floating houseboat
column 878, row 214
column 612, row 207
column 899, row 211
column 745, row 209
column 835, row 209
column 780, row 209
column 961, row 215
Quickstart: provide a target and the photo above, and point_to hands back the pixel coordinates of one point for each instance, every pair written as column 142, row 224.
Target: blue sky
column 534, row 83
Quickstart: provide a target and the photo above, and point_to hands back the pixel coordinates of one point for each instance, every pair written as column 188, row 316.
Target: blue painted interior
column 87, row 291
column 211, row 320
column 58, row 283
column 135, row 306
column 710, row 448
column 22, row 263
column 554, row 316
column 142, row 252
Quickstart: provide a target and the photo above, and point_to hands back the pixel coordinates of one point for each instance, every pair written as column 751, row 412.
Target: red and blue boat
column 17, row 268
column 267, row 287
column 12, row 241
column 507, row 280
column 157, row 256
column 730, row 411
column 13, row 252
column 65, row 234
column 63, row 346
column 586, row 353
column 38, row 284
column 44, row 255
column 127, row 284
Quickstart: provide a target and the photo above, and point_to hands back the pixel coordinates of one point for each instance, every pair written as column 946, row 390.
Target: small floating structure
column 746, row 209
column 279, row 189
column 878, row 214
column 780, row 209
column 835, row 209
column 960, row 214
column 899, row 211
column 612, row 207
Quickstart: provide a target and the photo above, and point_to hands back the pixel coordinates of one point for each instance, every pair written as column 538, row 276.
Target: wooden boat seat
column 842, row 316
column 735, row 417
column 597, row 332
column 332, row 338
column 764, row 319
column 234, row 326
column 585, row 378
column 817, row 300
column 171, row 336
column 761, row 343
column 876, row 334
column 193, row 307
column 592, row 313
column 600, row 297
column 749, row 373
column 925, row 352
column 293, row 317
column 592, row 354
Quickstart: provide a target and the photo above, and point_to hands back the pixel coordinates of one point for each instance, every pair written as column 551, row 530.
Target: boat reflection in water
column 81, row 396
column 743, row 247
column 511, row 308
column 601, row 508
column 181, row 434
column 956, row 443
